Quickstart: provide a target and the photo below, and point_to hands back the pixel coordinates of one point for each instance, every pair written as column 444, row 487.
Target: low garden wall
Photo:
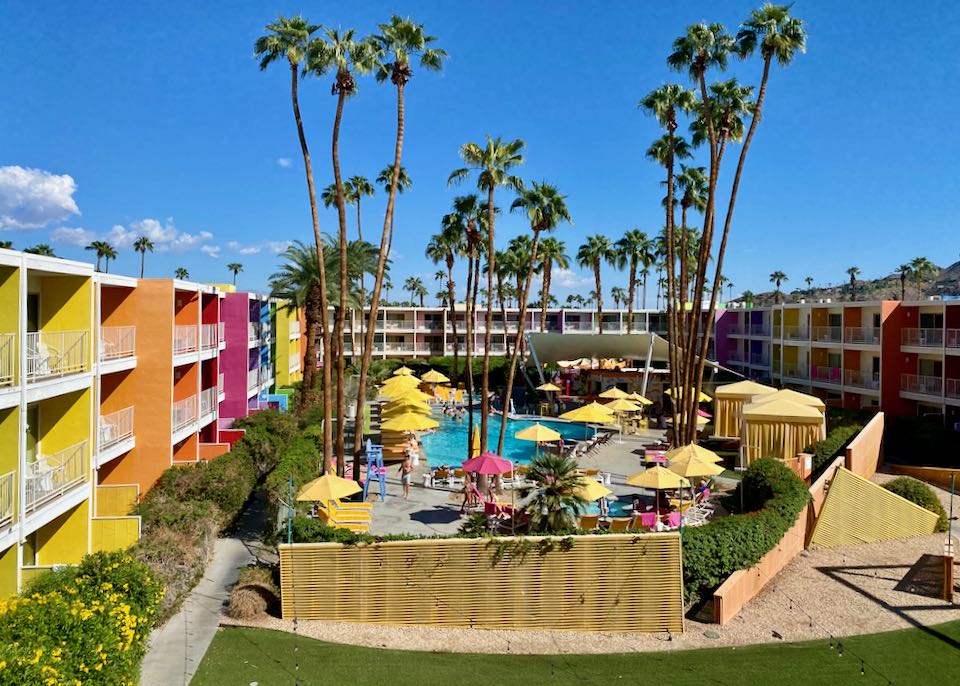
column 941, row 476
column 864, row 452
column 586, row 583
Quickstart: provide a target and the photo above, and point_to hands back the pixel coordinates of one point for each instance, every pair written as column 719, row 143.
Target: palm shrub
column 918, row 492
column 554, row 502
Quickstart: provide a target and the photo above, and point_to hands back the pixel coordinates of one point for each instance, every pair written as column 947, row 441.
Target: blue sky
column 159, row 116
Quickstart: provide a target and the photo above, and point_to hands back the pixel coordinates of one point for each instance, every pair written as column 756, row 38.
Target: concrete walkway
column 175, row 650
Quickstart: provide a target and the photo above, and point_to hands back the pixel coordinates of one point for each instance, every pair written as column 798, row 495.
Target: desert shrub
column 918, row 492
column 254, row 595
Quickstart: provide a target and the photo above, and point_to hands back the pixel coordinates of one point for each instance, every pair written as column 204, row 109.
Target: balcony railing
column 796, row 371
column 117, row 342
column 55, row 353
column 827, row 334
column 294, row 362
column 796, row 333
column 253, row 331
column 184, row 339
column 953, row 388
column 398, row 324
column 923, row 338
column 294, row 328
column 860, row 379
column 923, row 385
column 184, row 412
column 266, row 375
column 866, row 335
column 736, row 358
column 253, row 379
column 8, row 489
column 50, row 476
column 209, row 336
column 826, row 374
column 759, row 330
column 761, row 359
column 221, row 332
column 220, row 383
column 611, row 326
column 8, row 357
column 953, row 338
column 578, row 326
column 738, row 330
column 115, row 428
column 208, row 401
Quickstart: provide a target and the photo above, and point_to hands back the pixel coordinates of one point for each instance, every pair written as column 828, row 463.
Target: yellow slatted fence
column 599, row 583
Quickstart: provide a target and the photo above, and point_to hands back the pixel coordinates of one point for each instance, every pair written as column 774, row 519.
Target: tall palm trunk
column 754, row 121
column 386, row 242
column 143, row 259
column 503, row 312
column 643, row 304
column 545, row 293
column 320, row 321
column 451, row 298
column 632, row 295
column 471, row 300
column 363, row 291
column 521, row 323
column 312, row 316
column 596, row 278
column 903, row 287
column 342, row 309
column 670, row 294
column 491, row 266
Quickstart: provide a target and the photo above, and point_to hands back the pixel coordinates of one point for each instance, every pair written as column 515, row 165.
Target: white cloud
column 34, row 198
column 567, row 278
column 72, row 236
column 211, row 250
column 166, row 236
column 244, row 249
column 276, row 247
column 284, row 162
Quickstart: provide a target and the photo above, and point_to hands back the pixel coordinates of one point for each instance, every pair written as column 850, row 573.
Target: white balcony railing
column 611, row 326
column 759, row 330
column 827, row 334
column 184, row 412
column 920, row 384
column 796, row 333
column 923, row 338
column 253, row 379
column 953, row 388
column 117, row 342
column 253, row 331
column 55, row 353
column 294, row 328
column 831, row 375
column 184, row 339
column 208, row 401
column 578, row 326
column 8, row 489
column 8, row 358
column 860, row 379
column 50, row 476
column 796, row 371
column 221, row 332
column 953, row 338
column 220, row 383
column 209, row 336
column 865, row 335
column 266, row 375
column 294, row 361
column 115, row 428
column 395, row 324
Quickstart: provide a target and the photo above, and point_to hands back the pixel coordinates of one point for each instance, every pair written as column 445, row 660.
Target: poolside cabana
column 728, row 404
column 779, row 428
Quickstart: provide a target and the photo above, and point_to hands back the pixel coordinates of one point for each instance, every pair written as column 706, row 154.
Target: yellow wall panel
column 113, row 533
column 65, row 421
column 9, row 439
column 8, row 571
column 64, row 540
column 116, row 501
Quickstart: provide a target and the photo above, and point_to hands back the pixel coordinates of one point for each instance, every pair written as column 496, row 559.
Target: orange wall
column 894, row 362
column 186, row 384
column 186, row 450
column 818, row 316
column 852, row 316
column 118, row 306
column 118, row 391
column 186, row 306
column 208, row 451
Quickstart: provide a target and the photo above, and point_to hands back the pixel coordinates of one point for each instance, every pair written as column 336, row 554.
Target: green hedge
column 918, row 492
column 836, row 441
column 85, row 624
column 773, row 498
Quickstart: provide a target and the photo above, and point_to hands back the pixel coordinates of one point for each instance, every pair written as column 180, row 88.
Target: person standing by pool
column 406, row 476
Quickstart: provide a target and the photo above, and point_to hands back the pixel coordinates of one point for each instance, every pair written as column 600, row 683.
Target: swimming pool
column 448, row 444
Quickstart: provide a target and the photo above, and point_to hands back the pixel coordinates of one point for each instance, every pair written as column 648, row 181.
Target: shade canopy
column 779, row 428
column 703, row 397
column 592, row 490
column 409, row 421
column 728, row 405
column 403, row 371
column 623, row 405
column 328, row 487
column 782, row 409
column 411, row 393
column 475, row 442
column 613, row 393
column 793, row 396
column 692, row 450
column 553, row 347
column 637, row 398
column 693, row 466
column 657, row 478
column 399, row 383
column 433, row 376
column 405, row 402
column 488, row 463
column 539, row 433
column 742, row 389
column 548, row 387
column 593, row 412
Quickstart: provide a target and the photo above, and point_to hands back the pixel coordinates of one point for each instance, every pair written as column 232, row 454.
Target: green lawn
column 913, row 656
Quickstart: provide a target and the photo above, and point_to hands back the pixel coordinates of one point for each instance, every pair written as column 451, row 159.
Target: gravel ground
column 822, row 593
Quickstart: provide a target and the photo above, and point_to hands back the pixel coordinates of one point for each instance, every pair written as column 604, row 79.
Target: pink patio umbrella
column 488, row 463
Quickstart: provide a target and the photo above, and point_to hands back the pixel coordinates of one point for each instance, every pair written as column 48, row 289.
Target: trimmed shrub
column 83, row 624
column 918, row 492
column 773, row 498
column 836, row 441
column 255, row 595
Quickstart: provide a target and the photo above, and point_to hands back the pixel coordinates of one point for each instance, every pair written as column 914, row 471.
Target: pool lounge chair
column 337, row 523
column 649, row 521
column 589, row 522
column 440, row 477
column 361, row 506
column 620, row 524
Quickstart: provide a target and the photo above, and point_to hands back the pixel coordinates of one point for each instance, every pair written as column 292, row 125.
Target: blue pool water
column 448, row 444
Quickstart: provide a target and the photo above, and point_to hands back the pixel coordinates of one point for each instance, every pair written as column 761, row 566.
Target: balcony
column 266, row 376
column 220, row 383
column 431, row 325
column 859, row 379
column 737, row 330
column 760, row 359
column 953, row 389
column 184, row 339
column 51, row 476
column 759, row 330
column 866, row 335
column 8, row 490
column 393, row 347
column 827, row 334
column 796, row 371
column 796, row 333
column 117, row 342
column 829, row 375
column 394, row 324
column 253, row 379
column 922, row 338
column 208, row 401
column 55, row 353
column 922, row 385
column 184, row 412
column 294, row 362
column 253, row 332
column 578, row 326
column 612, row 327
column 221, row 333
column 294, row 328
column 8, row 359
column 114, row 428
column 209, row 336
column 497, row 348
column 736, row 358
column 953, row 338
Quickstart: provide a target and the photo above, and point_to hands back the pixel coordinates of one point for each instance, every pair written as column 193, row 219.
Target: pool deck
column 436, row 511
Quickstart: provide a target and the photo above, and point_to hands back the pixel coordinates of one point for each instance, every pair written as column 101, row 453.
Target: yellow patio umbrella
column 637, row 398
column 403, row 371
column 328, row 487
column 405, row 404
column 703, row 398
column 614, row 393
column 410, row 394
column 539, row 433
column 592, row 413
column 658, row 479
column 400, row 382
column 685, row 452
column 475, row 442
column 548, row 387
column 434, row 376
column 409, row 421
column 693, row 466
column 592, row 490
column 623, row 405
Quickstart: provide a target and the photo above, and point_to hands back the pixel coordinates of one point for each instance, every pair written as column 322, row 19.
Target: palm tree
column 618, row 295
column 554, row 501
column 777, row 278
column 359, row 188
column 298, row 283
column 905, row 271
column 398, row 42
column 730, row 102
column 552, row 253
column 288, row 40
column 42, row 249
column 729, row 289
column 597, row 250
column 444, row 247
column 404, row 183
column 142, row 245
column 235, row 268
column 492, row 164
column 853, row 272
column 6, row 245
column 181, row 273
column 635, row 251
column 414, row 286
column 545, row 208
column 809, row 281
column 97, row 246
column 747, row 296
column 920, row 269
column 109, row 253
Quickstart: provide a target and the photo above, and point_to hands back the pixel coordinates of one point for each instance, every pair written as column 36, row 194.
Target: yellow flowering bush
column 81, row 625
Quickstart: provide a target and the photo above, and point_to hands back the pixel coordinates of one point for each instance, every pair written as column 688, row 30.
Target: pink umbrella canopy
column 488, row 463
column 704, row 413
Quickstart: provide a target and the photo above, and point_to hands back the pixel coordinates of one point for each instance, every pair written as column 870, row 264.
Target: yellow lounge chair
column 589, row 522
column 365, row 507
column 620, row 524
column 359, row 527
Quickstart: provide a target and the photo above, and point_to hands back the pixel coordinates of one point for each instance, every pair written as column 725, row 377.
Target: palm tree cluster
column 309, row 50
column 919, row 269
